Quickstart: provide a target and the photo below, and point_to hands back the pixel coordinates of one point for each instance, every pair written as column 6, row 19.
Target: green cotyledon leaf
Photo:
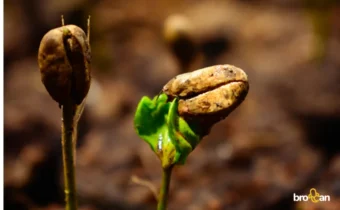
column 181, row 134
column 150, row 119
column 157, row 122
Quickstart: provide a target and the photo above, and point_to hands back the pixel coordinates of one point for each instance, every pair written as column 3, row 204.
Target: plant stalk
column 69, row 137
column 164, row 191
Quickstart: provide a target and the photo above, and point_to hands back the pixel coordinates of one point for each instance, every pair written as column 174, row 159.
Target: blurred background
column 283, row 139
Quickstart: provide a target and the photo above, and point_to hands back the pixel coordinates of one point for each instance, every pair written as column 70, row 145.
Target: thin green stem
column 69, row 137
column 164, row 191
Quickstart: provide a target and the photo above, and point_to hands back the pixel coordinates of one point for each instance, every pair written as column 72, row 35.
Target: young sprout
column 64, row 59
column 174, row 122
column 178, row 34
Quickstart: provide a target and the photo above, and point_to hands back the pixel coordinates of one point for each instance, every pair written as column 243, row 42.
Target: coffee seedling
column 64, row 59
column 174, row 122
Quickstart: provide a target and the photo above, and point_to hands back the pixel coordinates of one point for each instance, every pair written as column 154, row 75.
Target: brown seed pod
column 64, row 61
column 209, row 94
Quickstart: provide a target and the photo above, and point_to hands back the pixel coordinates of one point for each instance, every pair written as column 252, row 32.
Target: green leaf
column 183, row 148
column 150, row 119
column 158, row 123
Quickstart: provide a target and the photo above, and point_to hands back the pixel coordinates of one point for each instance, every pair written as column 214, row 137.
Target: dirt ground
column 282, row 140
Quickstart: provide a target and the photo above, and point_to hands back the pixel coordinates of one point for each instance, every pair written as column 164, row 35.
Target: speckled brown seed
column 216, row 89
